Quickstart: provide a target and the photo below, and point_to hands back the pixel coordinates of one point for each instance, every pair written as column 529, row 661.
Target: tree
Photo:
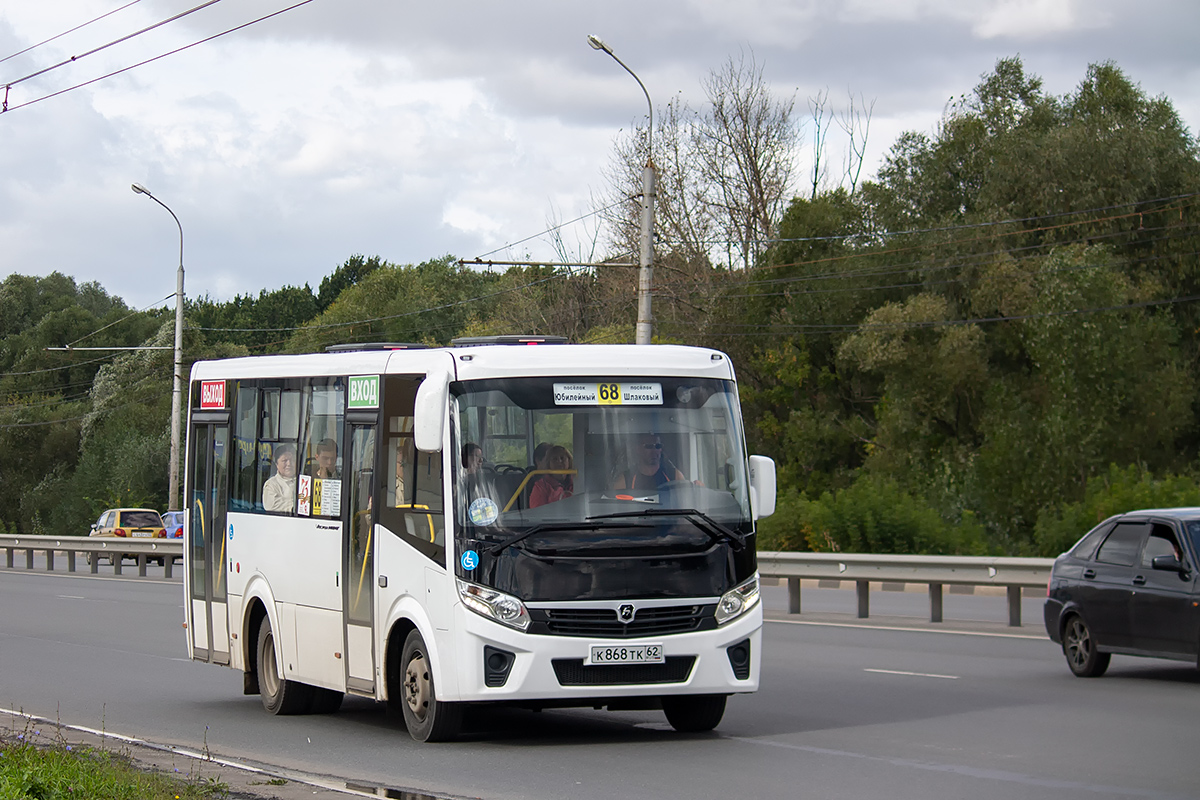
column 353, row 272
column 745, row 143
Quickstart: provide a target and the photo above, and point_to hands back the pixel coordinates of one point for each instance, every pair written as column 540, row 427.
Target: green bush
column 1117, row 492
column 871, row 516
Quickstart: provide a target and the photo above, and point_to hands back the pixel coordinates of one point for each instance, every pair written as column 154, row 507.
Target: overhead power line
column 72, row 30
column 6, row 107
column 94, row 50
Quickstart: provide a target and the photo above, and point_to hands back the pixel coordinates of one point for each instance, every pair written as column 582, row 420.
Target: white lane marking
column 910, row 630
column 70, row 596
column 912, row 674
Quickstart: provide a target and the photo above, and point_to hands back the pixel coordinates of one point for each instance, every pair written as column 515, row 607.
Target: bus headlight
column 737, row 601
column 497, row 606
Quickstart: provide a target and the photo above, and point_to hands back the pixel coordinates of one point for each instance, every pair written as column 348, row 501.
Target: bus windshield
column 649, row 456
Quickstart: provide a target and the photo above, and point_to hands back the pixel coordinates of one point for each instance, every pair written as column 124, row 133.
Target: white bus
column 543, row 526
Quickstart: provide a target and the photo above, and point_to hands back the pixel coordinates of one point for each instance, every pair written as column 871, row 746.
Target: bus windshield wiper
column 716, row 531
column 499, row 548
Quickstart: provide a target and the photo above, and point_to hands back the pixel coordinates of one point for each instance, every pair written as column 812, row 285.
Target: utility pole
column 645, row 319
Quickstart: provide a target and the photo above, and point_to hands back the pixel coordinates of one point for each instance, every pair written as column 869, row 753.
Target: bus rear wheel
column 279, row 695
column 428, row 719
column 695, row 713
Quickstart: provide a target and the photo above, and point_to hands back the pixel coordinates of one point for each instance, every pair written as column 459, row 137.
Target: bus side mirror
column 762, row 486
column 433, row 397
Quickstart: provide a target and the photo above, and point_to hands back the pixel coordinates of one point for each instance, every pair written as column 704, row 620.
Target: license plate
column 625, row 654
column 143, row 534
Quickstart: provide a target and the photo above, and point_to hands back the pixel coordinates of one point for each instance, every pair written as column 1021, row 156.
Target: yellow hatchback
column 128, row 523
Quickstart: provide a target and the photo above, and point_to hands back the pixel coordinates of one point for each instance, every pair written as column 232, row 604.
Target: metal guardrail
column 937, row 572
column 114, row 548
column 1014, row 574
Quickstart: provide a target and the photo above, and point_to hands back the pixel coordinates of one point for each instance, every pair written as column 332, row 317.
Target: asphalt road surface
column 844, row 711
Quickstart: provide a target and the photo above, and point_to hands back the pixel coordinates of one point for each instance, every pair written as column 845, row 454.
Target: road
column 844, row 712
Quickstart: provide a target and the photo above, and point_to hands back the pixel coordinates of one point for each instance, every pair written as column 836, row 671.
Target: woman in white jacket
column 279, row 491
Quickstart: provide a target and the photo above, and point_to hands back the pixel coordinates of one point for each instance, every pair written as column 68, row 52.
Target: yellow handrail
column 428, row 517
column 362, row 574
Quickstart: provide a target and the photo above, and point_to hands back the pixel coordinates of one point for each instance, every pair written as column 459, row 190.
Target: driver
column 652, row 470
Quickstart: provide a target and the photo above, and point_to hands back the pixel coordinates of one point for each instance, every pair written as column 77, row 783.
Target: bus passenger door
column 359, row 539
column 208, row 495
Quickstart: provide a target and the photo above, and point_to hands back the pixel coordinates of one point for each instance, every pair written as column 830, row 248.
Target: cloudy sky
column 412, row 130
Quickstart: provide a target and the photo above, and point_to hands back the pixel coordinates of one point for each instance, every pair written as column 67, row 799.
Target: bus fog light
column 737, row 601
column 497, row 606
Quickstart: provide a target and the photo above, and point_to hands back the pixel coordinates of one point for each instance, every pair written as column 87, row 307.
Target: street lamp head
column 598, row 44
column 139, row 189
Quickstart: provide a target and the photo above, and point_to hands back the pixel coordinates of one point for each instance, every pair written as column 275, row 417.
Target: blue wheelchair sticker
column 231, row 531
column 470, row 560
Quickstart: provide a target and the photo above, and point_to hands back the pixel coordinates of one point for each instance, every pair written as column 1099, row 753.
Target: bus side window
column 412, row 490
column 247, row 486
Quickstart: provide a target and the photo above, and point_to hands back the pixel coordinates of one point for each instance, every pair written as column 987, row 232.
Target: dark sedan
column 1129, row 586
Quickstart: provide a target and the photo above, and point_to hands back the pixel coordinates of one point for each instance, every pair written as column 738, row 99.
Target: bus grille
column 603, row 622
column 573, row 672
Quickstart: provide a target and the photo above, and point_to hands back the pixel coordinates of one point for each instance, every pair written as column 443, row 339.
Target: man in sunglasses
column 652, row 470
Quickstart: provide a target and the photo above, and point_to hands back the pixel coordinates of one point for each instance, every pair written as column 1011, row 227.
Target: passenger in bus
column 279, row 490
column 472, row 458
column 475, row 482
column 558, row 483
column 539, row 455
column 652, row 470
column 325, row 463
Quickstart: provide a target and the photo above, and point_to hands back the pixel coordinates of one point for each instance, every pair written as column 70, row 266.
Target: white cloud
column 1030, row 18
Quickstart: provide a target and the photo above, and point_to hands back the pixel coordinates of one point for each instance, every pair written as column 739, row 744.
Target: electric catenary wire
column 7, row 108
column 72, row 30
column 94, row 50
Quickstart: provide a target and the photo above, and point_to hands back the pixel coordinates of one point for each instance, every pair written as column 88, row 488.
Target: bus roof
column 484, row 361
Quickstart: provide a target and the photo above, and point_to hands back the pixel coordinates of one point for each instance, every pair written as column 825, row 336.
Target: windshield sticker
column 483, row 511
column 327, row 497
column 470, row 560
column 608, row 394
column 304, row 496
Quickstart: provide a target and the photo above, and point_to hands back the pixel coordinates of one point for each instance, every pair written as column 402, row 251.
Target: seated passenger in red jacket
column 556, row 484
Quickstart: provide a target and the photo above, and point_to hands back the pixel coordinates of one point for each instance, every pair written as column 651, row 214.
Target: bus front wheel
column 279, row 695
column 696, row 713
column 428, row 719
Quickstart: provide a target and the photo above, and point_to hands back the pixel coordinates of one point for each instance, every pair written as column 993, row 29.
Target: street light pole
column 177, row 392
column 646, row 256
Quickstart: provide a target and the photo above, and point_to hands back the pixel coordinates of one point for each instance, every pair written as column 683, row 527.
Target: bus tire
column 279, row 696
column 427, row 718
column 694, row 713
column 325, row 701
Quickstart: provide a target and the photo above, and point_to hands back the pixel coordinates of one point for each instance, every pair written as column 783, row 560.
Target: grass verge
column 34, row 766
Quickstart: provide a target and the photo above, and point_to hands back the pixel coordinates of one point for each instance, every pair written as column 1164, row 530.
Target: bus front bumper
column 497, row 663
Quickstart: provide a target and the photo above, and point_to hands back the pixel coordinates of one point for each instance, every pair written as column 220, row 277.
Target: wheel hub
column 416, row 686
column 1078, row 643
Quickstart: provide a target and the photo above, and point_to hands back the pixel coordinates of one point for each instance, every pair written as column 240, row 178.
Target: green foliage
column 261, row 324
column 871, row 516
column 353, row 272
column 429, row 303
column 1118, row 491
